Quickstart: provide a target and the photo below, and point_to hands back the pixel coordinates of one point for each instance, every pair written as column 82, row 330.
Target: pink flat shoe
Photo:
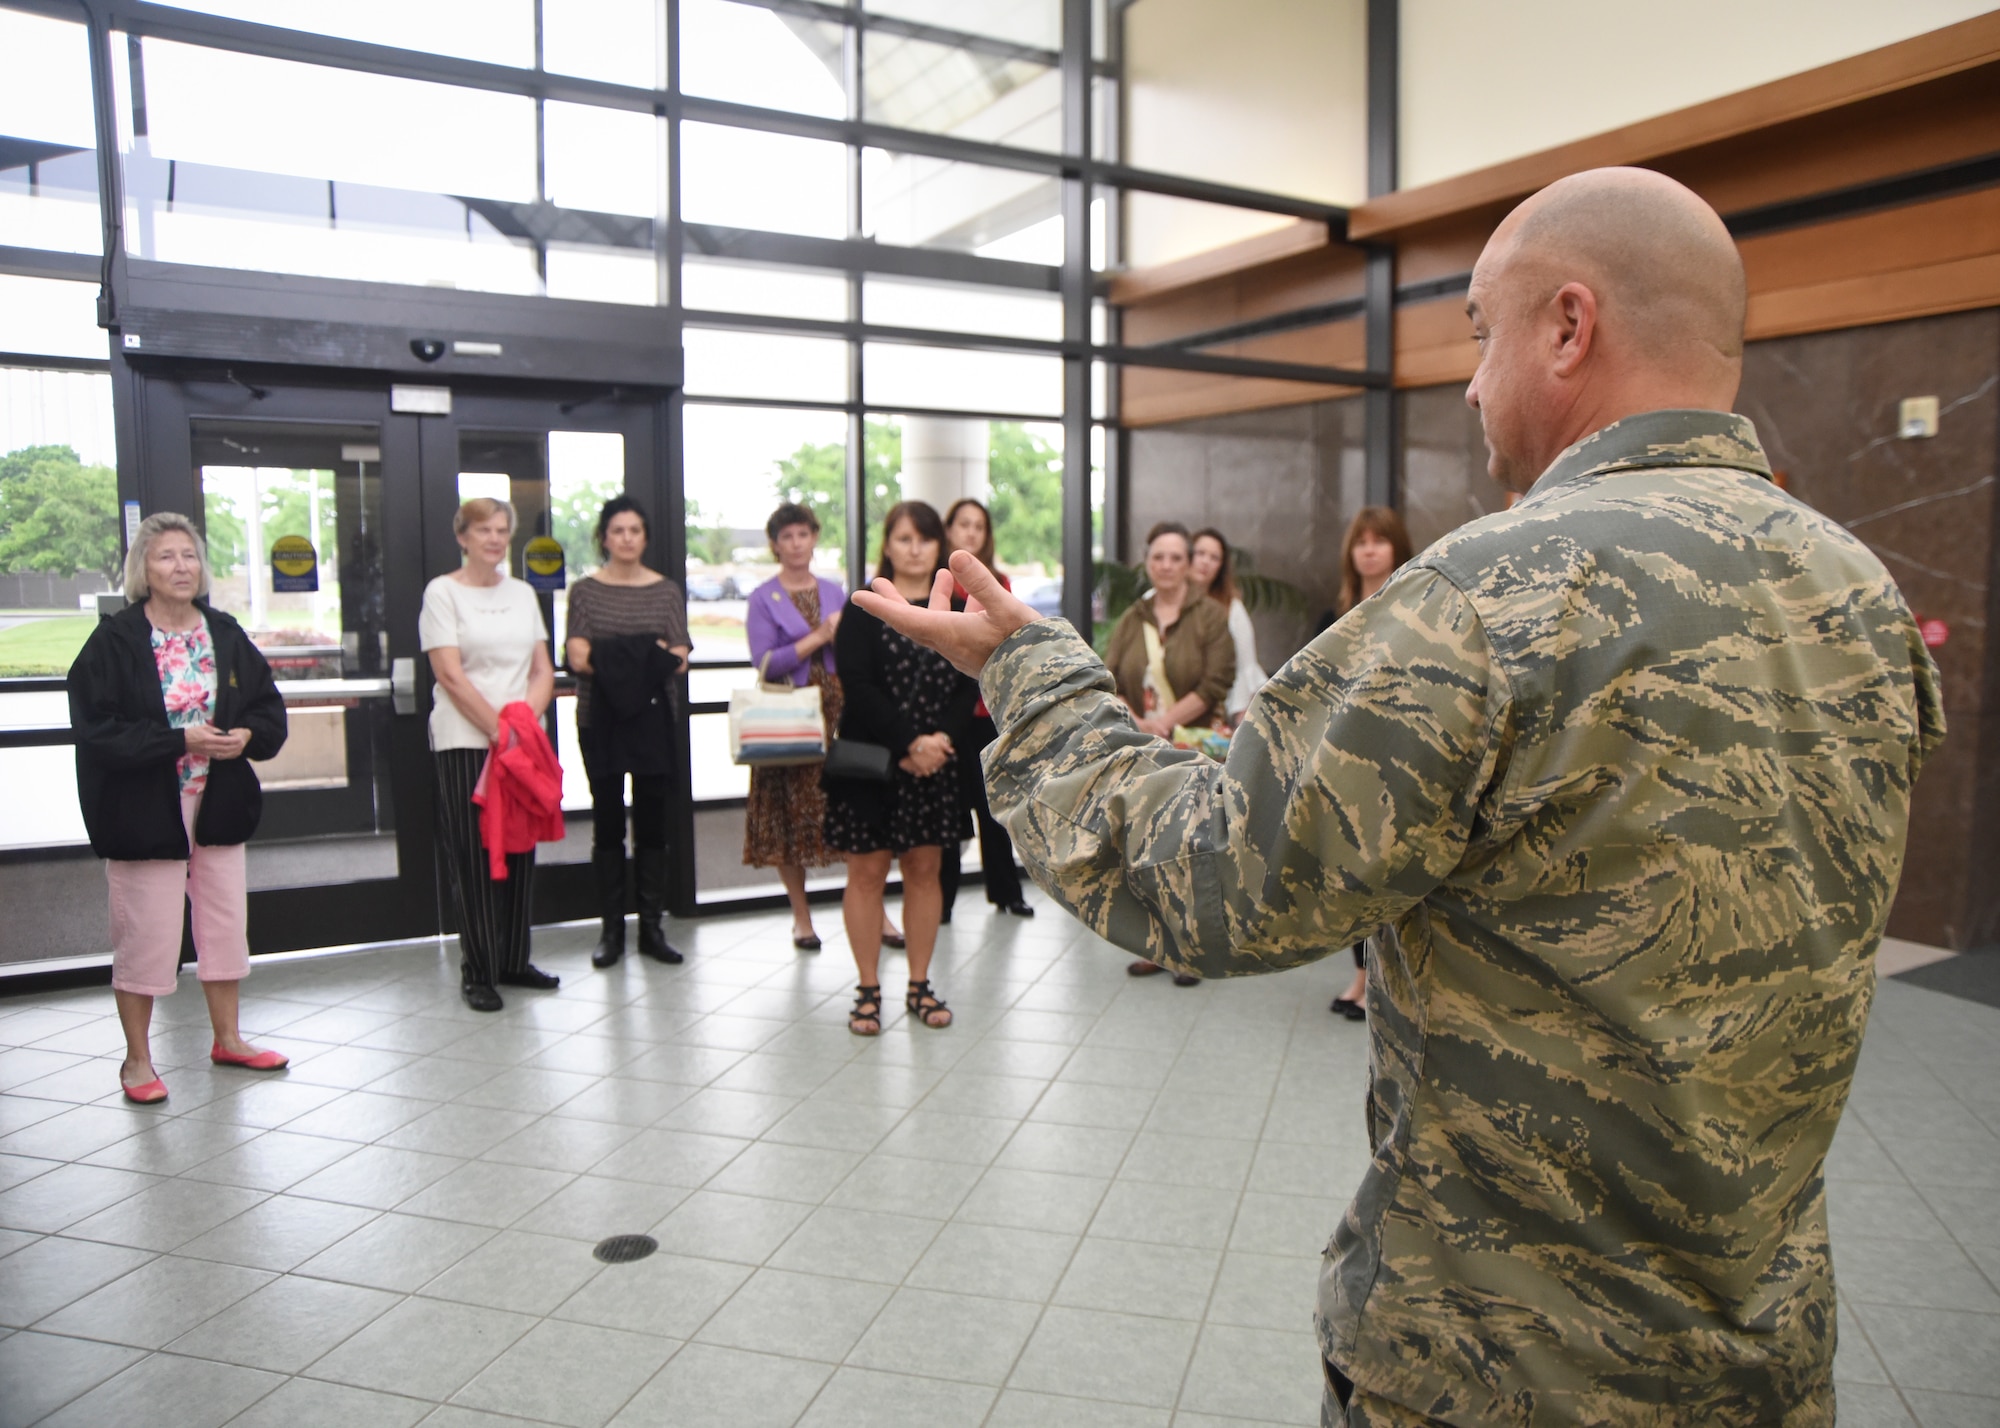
column 256, row 1061
column 150, row 1094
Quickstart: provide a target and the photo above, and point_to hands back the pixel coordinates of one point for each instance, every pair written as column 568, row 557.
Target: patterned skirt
column 786, row 816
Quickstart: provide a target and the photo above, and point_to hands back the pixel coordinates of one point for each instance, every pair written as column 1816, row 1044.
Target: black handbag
column 851, row 758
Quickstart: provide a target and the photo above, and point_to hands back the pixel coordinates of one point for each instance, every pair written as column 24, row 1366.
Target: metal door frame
column 332, row 914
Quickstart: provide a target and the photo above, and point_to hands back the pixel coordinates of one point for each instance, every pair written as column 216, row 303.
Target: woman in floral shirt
column 169, row 701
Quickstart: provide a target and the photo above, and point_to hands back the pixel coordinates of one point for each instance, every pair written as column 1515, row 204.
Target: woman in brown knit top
column 624, row 611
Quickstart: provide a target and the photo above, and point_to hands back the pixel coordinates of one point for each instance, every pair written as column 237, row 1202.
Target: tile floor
column 1094, row 1201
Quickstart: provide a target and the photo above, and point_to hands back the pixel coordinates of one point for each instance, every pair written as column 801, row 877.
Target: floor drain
column 623, row 1249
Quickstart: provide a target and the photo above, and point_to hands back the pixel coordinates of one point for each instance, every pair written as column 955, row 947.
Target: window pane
column 712, row 774
column 59, row 547
column 586, row 469
column 914, row 84
column 713, row 685
column 1014, row 467
column 953, row 380
column 603, row 275
column 750, row 55
column 738, row 178
column 756, row 364
column 48, row 163
column 323, row 123
column 759, row 288
column 882, row 482
column 328, row 182
column 42, row 812
column 1025, row 22
column 1024, row 478
column 960, row 307
column 497, row 31
column 604, row 160
column 50, row 317
column 246, row 508
column 918, row 202
column 613, row 40
column 740, row 464
column 59, row 538
column 233, row 219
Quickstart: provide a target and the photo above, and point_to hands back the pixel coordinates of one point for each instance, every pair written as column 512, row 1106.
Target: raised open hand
column 968, row 639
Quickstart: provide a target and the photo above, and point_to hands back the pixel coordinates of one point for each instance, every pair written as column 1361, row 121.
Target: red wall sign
column 1935, row 632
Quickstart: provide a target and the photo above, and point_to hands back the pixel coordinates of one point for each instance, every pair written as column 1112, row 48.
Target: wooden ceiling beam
column 1939, row 54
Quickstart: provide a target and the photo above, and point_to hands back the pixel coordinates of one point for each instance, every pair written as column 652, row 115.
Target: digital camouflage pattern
column 1629, row 767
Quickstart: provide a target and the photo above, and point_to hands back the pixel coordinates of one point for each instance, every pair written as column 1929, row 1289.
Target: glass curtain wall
column 59, row 527
column 872, row 217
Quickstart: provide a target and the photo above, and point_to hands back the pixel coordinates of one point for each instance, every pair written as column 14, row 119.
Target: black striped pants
column 492, row 916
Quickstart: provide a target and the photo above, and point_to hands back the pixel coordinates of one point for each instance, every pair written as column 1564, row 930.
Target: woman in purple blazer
column 792, row 619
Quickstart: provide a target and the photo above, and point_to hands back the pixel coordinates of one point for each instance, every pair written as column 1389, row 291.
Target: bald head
column 1664, row 269
column 1610, row 292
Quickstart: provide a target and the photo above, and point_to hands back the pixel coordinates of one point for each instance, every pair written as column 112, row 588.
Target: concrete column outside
column 944, row 460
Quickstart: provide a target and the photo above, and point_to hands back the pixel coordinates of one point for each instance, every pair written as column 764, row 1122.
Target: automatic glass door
column 309, row 500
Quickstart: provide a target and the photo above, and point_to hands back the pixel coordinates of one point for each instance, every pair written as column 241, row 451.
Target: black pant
column 607, row 803
column 492, row 916
column 996, row 849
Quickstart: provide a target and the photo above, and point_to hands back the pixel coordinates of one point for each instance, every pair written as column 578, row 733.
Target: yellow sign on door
column 294, row 564
column 543, row 557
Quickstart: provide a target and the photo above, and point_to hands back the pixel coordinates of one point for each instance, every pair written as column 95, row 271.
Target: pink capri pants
column 146, row 900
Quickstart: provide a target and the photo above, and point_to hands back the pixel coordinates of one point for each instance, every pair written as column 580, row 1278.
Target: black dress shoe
column 808, row 943
column 1017, row 908
column 894, row 939
column 653, row 942
column 530, row 976
column 1353, row 1011
column 1186, row 979
column 481, row 997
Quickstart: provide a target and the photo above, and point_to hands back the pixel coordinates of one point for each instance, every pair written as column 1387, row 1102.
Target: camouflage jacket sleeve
column 1351, row 790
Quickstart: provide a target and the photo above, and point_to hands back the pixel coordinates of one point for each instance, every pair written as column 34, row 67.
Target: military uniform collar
column 1662, row 438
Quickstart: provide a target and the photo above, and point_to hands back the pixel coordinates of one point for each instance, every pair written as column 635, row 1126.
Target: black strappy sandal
column 926, row 1005
column 866, row 1018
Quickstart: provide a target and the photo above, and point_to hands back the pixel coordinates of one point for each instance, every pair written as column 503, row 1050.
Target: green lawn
column 43, row 647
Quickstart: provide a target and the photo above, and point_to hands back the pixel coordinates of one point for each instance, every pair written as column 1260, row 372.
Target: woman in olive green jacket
column 1188, row 679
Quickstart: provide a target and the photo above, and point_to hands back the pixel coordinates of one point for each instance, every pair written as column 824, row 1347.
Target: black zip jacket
column 126, row 751
column 631, row 709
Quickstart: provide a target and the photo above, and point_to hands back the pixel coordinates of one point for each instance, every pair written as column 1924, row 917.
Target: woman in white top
column 1213, row 571
column 489, row 648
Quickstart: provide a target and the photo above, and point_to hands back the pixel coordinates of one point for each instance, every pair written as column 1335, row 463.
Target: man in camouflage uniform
column 1629, row 767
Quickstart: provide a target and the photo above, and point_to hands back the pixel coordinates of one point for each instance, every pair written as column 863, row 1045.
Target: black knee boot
column 650, row 868
column 608, row 865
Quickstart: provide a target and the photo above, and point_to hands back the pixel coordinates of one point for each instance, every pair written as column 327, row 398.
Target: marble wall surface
column 1443, row 479
column 1279, row 484
column 1825, row 406
column 1283, row 483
